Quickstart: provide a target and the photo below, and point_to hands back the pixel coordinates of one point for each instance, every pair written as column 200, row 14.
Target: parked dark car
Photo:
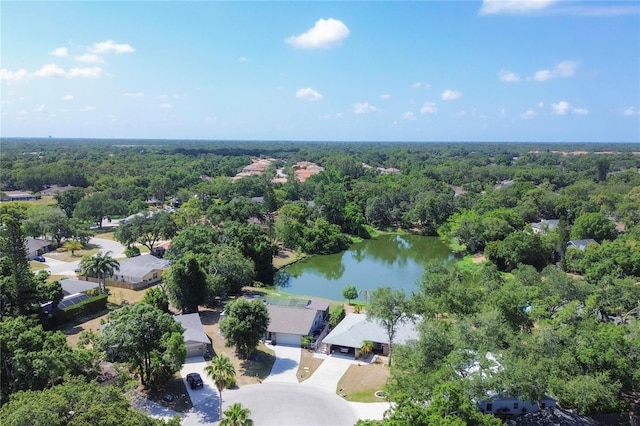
column 194, row 380
column 40, row 259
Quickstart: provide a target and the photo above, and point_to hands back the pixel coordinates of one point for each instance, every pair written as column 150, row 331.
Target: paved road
column 116, row 249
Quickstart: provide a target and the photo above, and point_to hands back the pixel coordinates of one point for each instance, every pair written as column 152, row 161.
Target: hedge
column 89, row 306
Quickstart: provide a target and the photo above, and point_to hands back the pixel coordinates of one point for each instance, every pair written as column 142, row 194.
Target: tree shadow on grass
column 259, row 364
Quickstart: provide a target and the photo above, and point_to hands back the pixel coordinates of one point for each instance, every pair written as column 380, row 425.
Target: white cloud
column 209, row 119
column 631, row 111
column 364, row 108
column 60, row 52
column 513, row 7
column 90, row 58
column 564, row 108
column 450, row 95
column 67, row 97
column 563, row 69
column 419, row 84
column 409, row 115
column 540, row 104
column 507, row 76
column 111, row 46
column 243, row 59
column 428, row 108
column 85, row 72
column 134, row 95
column 88, row 108
column 561, row 108
column 308, row 94
column 40, row 108
column 385, row 96
column 49, row 70
column 530, row 113
column 13, row 76
column 165, row 106
column 503, row 113
column 162, row 96
column 326, row 33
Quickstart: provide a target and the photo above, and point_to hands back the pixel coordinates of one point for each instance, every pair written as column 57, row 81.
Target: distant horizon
column 559, row 71
column 104, row 139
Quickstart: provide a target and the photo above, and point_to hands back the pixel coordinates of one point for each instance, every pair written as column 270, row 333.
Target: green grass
column 37, row 266
column 106, row 236
column 367, row 395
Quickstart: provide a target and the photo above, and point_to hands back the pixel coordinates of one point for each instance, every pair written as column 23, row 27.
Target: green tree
column 158, row 298
column 366, row 348
column 388, row 307
column 593, row 225
column 223, row 374
column 350, row 292
column 34, row 359
column 75, row 403
column 18, row 292
column 244, row 324
column 148, row 340
column 67, row 200
column 228, row 271
column 95, row 207
column 253, row 244
column 73, row 246
column 336, row 314
column 99, row 266
column 147, row 229
column 186, row 284
column 236, row 415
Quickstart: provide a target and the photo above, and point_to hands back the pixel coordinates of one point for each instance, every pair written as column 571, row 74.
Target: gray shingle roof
column 283, row 319
column 194, row 332
column 140, row 266
column 71, row 286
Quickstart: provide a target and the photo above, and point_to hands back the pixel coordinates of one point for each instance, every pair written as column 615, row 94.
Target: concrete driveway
column 328, row 374
column 116, row 249
column 285, row 368
column 206, row 400
column 291, row 404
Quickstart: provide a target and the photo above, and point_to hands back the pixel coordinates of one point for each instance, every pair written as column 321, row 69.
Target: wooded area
column 554, row 311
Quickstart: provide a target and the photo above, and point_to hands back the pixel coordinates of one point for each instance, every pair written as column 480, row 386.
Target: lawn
column 361, row 381
column 308, row 365
column 66, row 255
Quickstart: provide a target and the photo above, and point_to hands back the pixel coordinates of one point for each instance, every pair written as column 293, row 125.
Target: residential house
column 36, row 247
column 195, row 339
column 288, row 324
column 496, row 402
column 17, row 196
column 349, row 335
column 55, row 189
column 581, row 244
column 544, row 226
column 510, row 405
column 140, row 271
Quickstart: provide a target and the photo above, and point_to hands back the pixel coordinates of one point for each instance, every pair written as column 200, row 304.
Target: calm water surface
column 396, row 261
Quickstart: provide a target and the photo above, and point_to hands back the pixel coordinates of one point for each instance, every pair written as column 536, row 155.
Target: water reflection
column 389, row 260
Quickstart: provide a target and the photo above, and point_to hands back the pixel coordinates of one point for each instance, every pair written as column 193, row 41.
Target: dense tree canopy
column 244, row 324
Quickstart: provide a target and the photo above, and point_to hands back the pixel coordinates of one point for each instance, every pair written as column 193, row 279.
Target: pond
column 392, row 260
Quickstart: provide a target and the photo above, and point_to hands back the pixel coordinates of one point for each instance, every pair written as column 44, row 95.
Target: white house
column 36, row 247
column 544, row 226
column 349, row 335
column 581, row 244
column 141, row 271
column 511, row 405
column 195, row 339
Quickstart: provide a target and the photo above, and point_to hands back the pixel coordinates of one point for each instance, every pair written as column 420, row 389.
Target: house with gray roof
column 195, row 339
column 140, row 271
column 581, row 244
column 544, row 226
column 288, row 324
column 36, row 247
column 73, row 286
column 349, row 335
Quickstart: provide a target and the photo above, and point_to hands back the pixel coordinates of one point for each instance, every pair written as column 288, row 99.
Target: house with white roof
column 349, row 335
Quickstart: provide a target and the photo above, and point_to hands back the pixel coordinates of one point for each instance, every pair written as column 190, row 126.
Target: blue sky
column 524, row 70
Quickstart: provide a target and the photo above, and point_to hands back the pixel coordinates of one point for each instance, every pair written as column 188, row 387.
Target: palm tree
column 237, row 415
column 366, row 348
column 100, row 266
column 223, row 374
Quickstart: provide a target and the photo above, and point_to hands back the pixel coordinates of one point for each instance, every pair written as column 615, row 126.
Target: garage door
column 195, row 349
column 288, row 339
